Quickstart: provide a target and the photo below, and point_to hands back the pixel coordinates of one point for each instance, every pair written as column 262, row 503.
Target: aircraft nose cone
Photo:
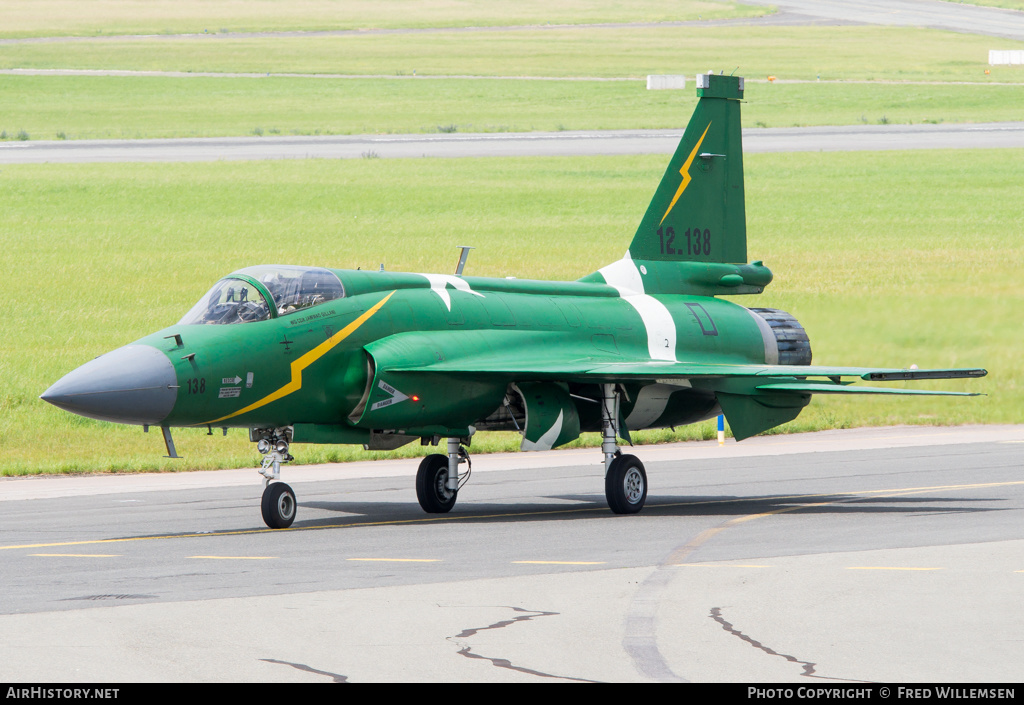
column 135, row 384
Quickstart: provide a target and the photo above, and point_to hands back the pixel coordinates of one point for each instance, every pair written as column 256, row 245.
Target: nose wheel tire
column 625, row 485
column 279, row 505
column 432, row 485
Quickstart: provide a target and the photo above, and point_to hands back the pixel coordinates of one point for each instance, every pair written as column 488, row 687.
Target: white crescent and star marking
column 439, row 284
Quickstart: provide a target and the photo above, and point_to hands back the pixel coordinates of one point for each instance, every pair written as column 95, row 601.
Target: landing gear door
column 551, row 416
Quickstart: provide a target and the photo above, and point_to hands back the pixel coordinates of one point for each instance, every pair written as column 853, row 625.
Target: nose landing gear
column 278, row 504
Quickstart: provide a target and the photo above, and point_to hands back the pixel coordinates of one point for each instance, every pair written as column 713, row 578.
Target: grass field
column 888, row 260
column 945, row 72
column 799, row 52
column 48, row 18
column 130, row 108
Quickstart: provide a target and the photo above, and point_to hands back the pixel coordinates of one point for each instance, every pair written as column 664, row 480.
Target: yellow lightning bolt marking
column 295, row 384
column 685, row 173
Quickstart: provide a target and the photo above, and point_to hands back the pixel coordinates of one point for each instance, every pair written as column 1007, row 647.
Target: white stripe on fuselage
column 625, row 278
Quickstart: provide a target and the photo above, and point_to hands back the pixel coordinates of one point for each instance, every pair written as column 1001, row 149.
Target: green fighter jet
column 381, row 359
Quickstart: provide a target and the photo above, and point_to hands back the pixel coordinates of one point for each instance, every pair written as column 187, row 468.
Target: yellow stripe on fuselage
column 295, row 384
column 685, row 173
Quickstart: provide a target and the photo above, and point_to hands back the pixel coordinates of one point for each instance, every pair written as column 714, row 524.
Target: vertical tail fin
column 698, row 212
column 693, row 238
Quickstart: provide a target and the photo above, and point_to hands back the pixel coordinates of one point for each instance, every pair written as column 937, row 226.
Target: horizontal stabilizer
column 829, row 388
column 922, row 374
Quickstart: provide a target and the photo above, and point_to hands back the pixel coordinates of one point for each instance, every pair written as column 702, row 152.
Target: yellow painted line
column 886, row 567
column 396, row 560
column 305, row 361
column 681, row 553
column 237, row 558
column 719, row 565
column 558, row 562
column 76, row 555
column 553, row 512
column 779, row 440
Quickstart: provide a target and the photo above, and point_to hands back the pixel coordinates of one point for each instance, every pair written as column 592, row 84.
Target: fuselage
column 311, row 365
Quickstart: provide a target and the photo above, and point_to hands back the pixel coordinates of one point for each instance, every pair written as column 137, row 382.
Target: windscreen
column 229, row 301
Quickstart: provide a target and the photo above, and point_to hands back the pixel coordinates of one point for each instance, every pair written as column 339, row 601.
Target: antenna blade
column 463, row 256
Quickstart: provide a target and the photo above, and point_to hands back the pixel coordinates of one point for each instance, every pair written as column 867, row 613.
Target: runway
column 527, row 144
column 953, row 17
column 878, row 555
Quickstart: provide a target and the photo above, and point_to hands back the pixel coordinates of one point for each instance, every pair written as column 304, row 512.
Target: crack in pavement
column 303, row 667
column 639, row 638
column 716, row 614
column 809, row 667
column 467, row 650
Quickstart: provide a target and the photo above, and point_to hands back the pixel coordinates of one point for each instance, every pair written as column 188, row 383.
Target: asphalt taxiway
column 861, row 555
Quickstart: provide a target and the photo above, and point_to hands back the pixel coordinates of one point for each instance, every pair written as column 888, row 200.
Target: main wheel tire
column 625, row 485
column 432, row 485
column 278, row 505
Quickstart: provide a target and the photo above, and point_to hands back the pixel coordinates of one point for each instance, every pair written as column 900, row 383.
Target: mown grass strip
column 32, row 18
column 800, row 52
column 64, row 107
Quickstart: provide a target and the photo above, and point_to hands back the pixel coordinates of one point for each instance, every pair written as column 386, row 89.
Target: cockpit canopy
column 262, row 292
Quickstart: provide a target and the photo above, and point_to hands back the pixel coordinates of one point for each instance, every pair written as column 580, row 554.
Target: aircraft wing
column 754, row 397
column 518, row 356
column 596, row 371
column 572, row 365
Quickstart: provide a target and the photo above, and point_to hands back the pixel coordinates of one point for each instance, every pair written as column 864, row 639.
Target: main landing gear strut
column 438, row 480
column 625, row 480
